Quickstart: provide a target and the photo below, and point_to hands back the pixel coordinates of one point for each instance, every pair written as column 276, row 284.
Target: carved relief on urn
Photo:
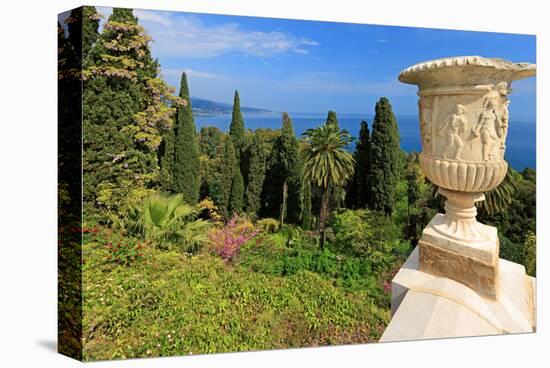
column 464, row 117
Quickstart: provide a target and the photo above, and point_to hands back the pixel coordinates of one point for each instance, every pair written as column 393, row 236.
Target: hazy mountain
column 202, row 106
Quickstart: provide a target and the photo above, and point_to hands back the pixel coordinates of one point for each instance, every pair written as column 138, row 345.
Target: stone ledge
column 425, row 306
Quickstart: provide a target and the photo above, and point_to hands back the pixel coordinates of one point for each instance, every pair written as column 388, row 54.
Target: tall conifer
column 186, row 153
column 332, row 119
column 385, row 159
column 83, row 27
column 224, row 169
column 358, row 188
column 236, row 197
column 257, row 154
column 282, row 190
column 236, row 129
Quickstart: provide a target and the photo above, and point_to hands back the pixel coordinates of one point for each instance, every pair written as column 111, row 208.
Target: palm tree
column 326, row 163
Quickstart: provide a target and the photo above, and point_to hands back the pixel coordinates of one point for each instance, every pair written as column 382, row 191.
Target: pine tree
column 257, row 153
column 236, row 129
column 224, row 169
column 357, row 190
column 282, row 190
column 186, row 156
column 124, row 114
column 385, row 159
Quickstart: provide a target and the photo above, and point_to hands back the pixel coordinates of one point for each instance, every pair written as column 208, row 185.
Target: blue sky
column 309, row 66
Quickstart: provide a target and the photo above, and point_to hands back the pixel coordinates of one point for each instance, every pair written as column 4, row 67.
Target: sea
column 520, row 145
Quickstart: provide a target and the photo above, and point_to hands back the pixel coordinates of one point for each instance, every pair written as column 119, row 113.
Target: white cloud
column 153, row 16
column 188, row 36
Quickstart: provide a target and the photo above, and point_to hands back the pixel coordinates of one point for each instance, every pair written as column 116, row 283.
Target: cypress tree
column 282, row 190
column 257, row 153
column 224, row 168
column 385, row 159
column 307, row 217
column 237, row 194
column 186, row 156
column 332, row 119
column 124, row 114
column 358, row 188
column 236, row 129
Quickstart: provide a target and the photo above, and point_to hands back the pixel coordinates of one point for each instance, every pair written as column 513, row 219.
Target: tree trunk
column 283, row 205
column 323, row 217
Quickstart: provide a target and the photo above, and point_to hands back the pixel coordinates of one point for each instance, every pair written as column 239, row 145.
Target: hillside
column 202, row 106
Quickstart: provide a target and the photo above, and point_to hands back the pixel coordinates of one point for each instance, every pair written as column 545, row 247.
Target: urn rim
column 496, row 68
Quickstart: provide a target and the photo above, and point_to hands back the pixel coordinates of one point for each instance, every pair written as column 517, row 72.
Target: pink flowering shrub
column 227, row 240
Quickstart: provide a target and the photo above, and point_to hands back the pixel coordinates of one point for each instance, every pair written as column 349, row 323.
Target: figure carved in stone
column 453, row 128
column 503, row 90
column 505, row 119
column 488, row 128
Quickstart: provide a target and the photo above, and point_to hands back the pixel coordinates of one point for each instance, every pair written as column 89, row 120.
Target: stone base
column 466, row 252
column 426, row 306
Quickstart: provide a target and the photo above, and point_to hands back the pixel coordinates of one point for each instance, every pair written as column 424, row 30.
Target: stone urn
column 464, row 119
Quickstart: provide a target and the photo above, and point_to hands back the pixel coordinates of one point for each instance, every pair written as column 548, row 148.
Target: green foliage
column 236, row 129
column 498, row 199
column 509, row 250
column 268, row 225
column 530, row 254
column 325, row 159
column 307, row 216
column 283, row 170
column 186, row 154
column 236, row 198
column 83, row 26
column 124, row 253
column 275, row 255
column 385, row 162
column 326, row 163
column 513, row 210
column 364, row 233
column 197, row 298
column 166, row 158
column 124, row 114
column 257, row 156
column 167, row 222
column 223, row 170
column 358, row 187
column 332, row 119
column 413, row 179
